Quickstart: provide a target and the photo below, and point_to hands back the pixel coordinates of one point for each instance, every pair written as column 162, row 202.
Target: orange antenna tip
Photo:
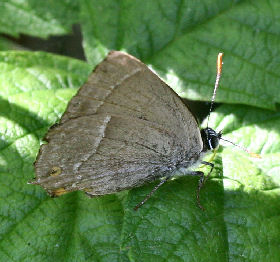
column 243, row 148
column 255, row 155
column 219, row 72
column 219, row 63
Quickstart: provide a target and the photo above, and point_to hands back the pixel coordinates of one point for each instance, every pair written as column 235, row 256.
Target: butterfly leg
column 212, row 167
column 150, row 194
column 202, row 181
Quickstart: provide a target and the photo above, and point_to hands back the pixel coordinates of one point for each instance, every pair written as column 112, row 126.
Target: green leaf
column 181, row 39
column 251, row 187
column 35, row 89
column 241, row 221
column 39, row 18
column 171, row 227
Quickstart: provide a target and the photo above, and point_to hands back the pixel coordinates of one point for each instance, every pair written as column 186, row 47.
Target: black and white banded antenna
column 218, row 76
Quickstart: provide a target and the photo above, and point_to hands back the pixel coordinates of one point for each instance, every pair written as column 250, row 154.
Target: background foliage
column 179, row 39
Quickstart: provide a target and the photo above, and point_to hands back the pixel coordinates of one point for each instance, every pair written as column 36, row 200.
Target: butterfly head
column 210, row 138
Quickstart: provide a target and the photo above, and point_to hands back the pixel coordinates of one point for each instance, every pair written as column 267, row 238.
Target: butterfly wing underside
column 123, row 128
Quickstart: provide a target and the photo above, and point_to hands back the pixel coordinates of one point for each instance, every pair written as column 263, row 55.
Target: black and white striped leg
column 150, row 194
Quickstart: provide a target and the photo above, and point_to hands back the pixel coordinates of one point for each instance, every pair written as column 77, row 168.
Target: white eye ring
column 210, row 145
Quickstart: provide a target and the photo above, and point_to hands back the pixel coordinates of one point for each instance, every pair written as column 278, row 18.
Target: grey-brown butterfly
column 124, row 128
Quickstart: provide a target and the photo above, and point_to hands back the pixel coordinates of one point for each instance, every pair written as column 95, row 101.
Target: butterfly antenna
column 243, row 148
column 219, row 73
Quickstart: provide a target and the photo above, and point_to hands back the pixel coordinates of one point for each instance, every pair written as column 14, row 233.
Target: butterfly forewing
column 124, row 127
